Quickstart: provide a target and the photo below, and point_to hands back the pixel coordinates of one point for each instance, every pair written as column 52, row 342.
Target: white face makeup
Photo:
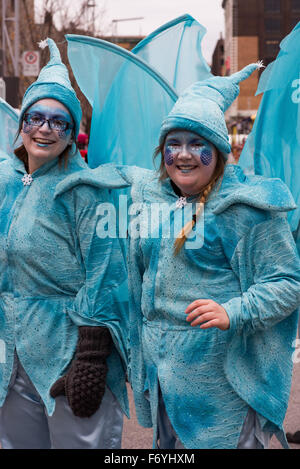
column 190, row 160
column 46, row 132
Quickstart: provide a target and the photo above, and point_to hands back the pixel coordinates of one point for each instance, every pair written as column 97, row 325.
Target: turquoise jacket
column 248, row 263
column 56, row 274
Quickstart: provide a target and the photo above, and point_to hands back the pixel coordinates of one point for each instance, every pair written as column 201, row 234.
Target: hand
column 208, row 313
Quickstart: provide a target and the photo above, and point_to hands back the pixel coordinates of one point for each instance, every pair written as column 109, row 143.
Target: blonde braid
column 182, row 236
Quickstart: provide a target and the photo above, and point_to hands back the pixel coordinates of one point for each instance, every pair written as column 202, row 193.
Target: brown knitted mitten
column 84, row 383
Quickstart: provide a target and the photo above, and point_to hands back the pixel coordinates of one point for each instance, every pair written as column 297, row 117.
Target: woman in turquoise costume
column 212, row 305
column 213, row 299
column 214, row 283
column 63, row 334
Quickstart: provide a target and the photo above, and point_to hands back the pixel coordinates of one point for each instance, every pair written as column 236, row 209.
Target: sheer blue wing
column 175, row 51
column 131, row 92
column 128, row 97
column 8, row 129
column 129, row 101
column 273, row 146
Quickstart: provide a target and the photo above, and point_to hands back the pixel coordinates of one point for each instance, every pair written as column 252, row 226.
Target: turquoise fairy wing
column 129, row 100
column 8, row 129
column 175, row 51
column 273, row 146
column 132, row 92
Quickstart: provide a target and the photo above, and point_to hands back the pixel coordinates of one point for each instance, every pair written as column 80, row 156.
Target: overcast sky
column 157, row 12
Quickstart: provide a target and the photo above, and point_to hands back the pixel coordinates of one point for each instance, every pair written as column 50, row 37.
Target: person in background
column 82, row 142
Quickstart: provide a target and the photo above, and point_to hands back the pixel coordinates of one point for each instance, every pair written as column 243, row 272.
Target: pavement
column 137, row 437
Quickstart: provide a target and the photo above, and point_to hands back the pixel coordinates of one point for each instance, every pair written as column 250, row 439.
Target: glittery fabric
column 56, row 274
column 248, row 262
column 200, row 108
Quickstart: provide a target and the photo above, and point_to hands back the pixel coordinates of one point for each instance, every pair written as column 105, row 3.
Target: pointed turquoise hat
column 53, row 82
column 201, row 107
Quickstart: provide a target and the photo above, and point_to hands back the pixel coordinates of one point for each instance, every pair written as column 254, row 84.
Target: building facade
column 253, row 31
column 218, row 63
column 9, row 28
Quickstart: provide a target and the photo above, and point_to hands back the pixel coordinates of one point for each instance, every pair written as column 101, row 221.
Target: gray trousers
column 251, row 437
column 25, row 424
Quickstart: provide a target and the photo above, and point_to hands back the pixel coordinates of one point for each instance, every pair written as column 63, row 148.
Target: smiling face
column 42, row 142
column 190, row 161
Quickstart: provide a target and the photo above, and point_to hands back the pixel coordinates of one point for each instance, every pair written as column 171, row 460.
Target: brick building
column 218, row 63
column 253, row 31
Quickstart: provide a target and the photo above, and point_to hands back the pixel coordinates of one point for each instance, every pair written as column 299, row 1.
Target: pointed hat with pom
column 200, row 109
column 53, row 82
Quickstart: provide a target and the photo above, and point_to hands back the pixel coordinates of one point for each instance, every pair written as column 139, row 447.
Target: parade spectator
column 82, row 142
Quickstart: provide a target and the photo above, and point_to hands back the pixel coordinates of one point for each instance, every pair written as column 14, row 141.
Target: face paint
column 195, row 147
column 27, row 128
column 190, row 160
column 49, row 113
column 47, row 132
column 64, row 133
column 206, row 156
column 168, row 156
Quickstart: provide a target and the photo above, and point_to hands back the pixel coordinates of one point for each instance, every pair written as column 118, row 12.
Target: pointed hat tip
column 43, row 44
column 246, row 72
column 55, row 57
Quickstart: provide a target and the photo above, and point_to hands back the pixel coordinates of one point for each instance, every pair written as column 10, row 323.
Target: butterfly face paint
column 169, row 155
column 206, row 156
column 193, row 144
column 190, row 160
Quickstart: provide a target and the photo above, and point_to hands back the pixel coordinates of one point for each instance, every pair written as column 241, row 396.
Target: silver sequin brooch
column 181, row 202
column 27, row 179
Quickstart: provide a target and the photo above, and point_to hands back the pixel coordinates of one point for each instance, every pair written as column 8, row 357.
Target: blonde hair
column 217, row 174
column 183, row 234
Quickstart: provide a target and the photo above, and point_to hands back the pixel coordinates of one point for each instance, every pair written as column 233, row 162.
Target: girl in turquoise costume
column 212, row 308
column 62, row 332
column 223, row 382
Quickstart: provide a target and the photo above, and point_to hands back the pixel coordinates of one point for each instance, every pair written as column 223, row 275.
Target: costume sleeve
column 266, row 262
column 103, row 262
column 137, row 373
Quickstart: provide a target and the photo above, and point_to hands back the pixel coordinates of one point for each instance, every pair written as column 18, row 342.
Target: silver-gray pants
column 25, row 424
column 251, row 437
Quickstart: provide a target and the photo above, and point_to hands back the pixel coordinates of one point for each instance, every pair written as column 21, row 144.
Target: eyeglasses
column 38, row 120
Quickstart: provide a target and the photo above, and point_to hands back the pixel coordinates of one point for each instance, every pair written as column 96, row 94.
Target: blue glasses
column 38, row 120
